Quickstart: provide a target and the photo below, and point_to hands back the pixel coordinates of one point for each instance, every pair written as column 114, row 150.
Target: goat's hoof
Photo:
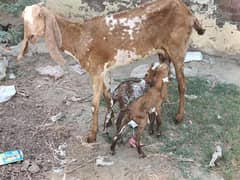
column 142, row 155
column 159, row 134
column 109, row 124
column 19, row 57
column 179, row 118
column 91, row 139
column 151, row 132
column 112, row 151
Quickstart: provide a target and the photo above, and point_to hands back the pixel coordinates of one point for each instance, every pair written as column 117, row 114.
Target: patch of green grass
column 17, row 8
column 214, row 117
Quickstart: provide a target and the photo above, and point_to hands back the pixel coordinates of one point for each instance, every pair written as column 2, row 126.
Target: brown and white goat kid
column 129, row 90
column 102, row 43
column 138, row 109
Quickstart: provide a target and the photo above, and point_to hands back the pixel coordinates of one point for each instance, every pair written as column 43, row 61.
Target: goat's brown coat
column 99, row 44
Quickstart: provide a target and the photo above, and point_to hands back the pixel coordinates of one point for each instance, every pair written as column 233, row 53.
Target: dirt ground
column 25, row 124
column 58, row 150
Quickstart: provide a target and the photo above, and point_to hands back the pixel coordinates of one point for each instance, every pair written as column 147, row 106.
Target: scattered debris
column 81, row 99
column 78, row 69
column 193, row 56
column 3, row 68
column 11, row 76
column 6, row 93
column 58, row 169
column 53, row 71
column 103, row 161
column 11, row 157
column 133, row 124
column 132, row 142
column 57, row 117
column 34, row 168
column 185, row 160
column 25, row 165
column 219, row 117
column 61, row 151
column 191, row 97
column 216, row 155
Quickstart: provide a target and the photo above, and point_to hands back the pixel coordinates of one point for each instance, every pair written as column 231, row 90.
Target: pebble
column 34, row 168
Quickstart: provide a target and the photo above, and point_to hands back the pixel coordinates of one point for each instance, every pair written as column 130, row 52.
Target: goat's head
column 38, row 22
column 151, row 72
column 34, row 24
column 160, row 79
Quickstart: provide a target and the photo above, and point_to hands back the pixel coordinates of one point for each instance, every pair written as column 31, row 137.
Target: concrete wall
column 221, row 22
column 221, row 18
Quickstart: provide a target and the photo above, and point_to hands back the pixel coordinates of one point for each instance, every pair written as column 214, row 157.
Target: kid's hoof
column 142, row 156
column 91, row 139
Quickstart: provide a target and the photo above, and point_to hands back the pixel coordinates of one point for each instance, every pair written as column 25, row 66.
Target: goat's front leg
column 23, row 49
column 97, row 92
column 181, row 88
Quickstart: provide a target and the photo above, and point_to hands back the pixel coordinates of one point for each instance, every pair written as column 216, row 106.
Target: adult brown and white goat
column 101, row 43
column 129, row 90
column 138, row 109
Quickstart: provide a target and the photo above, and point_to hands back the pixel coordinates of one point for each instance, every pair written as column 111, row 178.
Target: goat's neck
column 71, row 32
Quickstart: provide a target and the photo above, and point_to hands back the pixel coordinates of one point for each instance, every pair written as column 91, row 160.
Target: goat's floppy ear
column 53, row 36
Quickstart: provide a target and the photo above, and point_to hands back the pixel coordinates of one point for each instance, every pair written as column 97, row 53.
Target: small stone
column 11, row 76
column 25, row 165
column 57, row 117
column 53, row 71
column 34, row 168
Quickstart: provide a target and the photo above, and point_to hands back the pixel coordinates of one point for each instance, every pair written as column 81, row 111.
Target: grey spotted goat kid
column 126, row 92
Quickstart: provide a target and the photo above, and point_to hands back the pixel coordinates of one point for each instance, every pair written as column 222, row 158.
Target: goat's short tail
column 198, row 27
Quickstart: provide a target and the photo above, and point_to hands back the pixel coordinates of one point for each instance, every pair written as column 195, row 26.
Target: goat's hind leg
column 179, row 66
column 151, row 117
column 140, row 129
column 117, row 137
column 159, row 122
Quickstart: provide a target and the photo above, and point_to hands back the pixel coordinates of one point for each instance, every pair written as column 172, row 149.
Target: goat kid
column 129, row 90
column 102, row 43
column 138, row 109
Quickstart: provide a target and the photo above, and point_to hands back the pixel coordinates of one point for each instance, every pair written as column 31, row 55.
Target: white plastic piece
column 133, row 124
column 165, row 80
column 101, row 161
column 216, row 155
column 6, row 93
column 193, row 56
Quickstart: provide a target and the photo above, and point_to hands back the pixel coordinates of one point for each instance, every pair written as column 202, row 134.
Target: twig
column 80, row 166
column 29, row 177
column 185, row 160
column 39, row 127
